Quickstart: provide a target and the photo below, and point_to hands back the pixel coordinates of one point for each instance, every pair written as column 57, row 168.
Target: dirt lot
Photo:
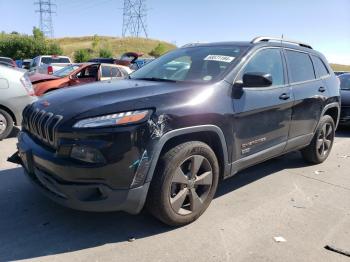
column 309, row 206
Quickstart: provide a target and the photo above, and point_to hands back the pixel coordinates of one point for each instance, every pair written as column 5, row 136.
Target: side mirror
column 257, row 79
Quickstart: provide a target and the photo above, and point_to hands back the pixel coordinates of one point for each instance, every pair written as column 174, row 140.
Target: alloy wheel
column 191, row 185
column 325, row 139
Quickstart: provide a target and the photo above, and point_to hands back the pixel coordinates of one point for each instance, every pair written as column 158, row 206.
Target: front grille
column 41, row 124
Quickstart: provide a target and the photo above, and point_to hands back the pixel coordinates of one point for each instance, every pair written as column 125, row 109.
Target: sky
column 325, row 24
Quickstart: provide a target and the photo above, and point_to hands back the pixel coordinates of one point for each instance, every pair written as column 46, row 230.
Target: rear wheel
column 322, row 143
column 6, row 124
column 185, row 183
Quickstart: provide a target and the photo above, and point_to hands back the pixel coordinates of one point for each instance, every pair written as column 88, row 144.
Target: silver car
column 16, row 91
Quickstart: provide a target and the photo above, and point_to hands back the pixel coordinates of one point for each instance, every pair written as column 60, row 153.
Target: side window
column 268, row 61
column 300, row 66
column 320, row 68
column 107, row 71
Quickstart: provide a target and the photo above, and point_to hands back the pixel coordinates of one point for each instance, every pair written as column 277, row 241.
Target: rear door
column 262, row 114
column 310, row 94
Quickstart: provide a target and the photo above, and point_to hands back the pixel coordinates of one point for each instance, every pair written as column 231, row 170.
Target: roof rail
column 275, row 39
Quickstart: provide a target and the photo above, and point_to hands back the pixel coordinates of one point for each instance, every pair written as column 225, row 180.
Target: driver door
column 262, row 115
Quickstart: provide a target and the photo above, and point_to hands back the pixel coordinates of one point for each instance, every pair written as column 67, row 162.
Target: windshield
column 197, row 64
column 344, row 82
column 66, row 70
column 53, row 60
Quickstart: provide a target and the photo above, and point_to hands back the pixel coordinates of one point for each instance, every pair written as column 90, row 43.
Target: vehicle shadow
column 343, row 131
column 32, row 226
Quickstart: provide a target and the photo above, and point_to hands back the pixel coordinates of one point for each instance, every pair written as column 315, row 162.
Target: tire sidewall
column 9, row 126
column 325, row 120
column 169, row 170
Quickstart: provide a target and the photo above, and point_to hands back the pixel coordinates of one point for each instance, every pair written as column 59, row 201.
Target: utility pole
column 134, row 18
column 45, row 12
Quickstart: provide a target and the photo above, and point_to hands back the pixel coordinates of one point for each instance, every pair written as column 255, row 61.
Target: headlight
column 114, row 119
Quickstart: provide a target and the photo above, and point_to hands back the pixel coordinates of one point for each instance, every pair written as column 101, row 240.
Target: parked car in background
column 48, row 64
column 77, row 74
column 127, row 59
column 16, row 92
column 166, row 136
column 338, row 73
column 6, row 61
column 26, row 63
column 345, row 98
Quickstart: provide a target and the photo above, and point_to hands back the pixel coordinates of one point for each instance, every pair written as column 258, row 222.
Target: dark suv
column 164, row 137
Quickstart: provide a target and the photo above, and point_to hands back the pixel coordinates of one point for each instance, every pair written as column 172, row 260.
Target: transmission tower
column 45, row 11
column 134, row 18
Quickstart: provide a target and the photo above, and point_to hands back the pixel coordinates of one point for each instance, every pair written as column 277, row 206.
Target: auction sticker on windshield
column 220, row 58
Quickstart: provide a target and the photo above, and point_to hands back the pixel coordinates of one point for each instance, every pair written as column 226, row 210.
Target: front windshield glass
column 66, row 70
column 195, row 64
column 345, row 82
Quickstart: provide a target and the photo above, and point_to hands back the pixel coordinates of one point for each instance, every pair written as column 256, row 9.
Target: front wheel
column 185, row 183
column 322, row 143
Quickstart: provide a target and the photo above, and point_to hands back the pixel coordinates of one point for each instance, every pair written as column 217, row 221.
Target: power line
column 45, row 12
column 134, row 18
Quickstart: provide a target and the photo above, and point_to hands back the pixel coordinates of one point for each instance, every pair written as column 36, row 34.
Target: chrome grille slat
column 41, row 124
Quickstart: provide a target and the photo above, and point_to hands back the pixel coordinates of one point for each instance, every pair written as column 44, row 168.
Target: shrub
column 82, row 55
column 159, row 50
column 105, row 53
column 19, row 46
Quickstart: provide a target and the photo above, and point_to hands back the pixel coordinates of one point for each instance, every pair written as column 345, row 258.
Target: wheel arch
column 209, row 134
column 333, row 110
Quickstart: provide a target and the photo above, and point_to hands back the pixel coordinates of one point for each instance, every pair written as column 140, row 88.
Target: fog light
column 87, row 154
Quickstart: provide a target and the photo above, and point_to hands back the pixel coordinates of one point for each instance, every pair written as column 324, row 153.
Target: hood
column 114, row 96
column 37, row 78
column 345, row 97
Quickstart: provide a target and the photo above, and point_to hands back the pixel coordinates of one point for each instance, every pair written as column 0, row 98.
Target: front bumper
column 48, row 173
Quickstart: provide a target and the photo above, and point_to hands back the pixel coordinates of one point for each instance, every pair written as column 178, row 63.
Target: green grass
column 116, row 44
column 337, row 67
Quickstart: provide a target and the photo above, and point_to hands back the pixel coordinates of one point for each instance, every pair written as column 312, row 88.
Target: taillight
column 50, row 70
column 27, row 85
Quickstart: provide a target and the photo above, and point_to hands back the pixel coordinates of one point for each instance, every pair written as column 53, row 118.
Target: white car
column 16, row 92
column 48, row 64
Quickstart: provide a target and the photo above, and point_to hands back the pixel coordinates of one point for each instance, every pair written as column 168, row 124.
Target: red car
column 77, row 74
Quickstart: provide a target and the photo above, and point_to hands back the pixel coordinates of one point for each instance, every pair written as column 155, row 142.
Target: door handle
column 284, row 96
column 322, row 89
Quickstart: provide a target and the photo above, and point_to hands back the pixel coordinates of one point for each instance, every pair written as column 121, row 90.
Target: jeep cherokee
column 163, row 138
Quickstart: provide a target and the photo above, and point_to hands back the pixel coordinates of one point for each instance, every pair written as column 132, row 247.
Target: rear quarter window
column 300, row 66
column 320, row 68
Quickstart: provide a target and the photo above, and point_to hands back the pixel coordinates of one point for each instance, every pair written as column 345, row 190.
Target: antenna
column 45, row 12
column 134, row 18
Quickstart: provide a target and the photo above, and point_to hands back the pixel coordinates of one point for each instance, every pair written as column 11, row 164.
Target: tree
column 82, row 55
column 38, row 34
column 18, row 46
column 159, row 50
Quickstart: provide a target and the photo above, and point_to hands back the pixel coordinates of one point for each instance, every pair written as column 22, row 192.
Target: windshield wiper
column 155, row 79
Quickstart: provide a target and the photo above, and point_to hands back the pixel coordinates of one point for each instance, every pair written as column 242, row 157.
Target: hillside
column 116, row 44
column 337, row 67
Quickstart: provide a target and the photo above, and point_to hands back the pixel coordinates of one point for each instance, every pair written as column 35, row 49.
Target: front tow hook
column 15, row 159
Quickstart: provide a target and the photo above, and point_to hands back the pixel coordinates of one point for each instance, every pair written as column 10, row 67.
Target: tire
column 322, row 143
column 6, row 124
column 181, row 191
